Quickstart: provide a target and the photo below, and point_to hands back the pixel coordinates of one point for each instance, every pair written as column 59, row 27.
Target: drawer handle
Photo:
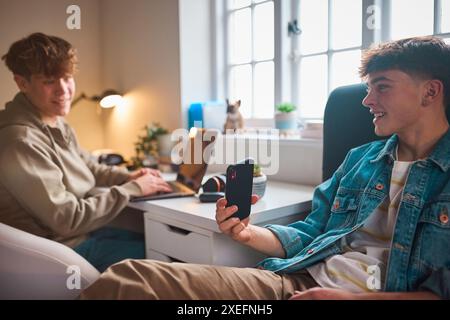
column 179, row 230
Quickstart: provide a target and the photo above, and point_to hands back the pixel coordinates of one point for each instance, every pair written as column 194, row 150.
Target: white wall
column 299, row 161
column 140, row 45
column 19, row 18
column 195, row 53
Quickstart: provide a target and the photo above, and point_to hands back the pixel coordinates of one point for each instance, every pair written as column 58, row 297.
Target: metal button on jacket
column 443, row 217
column 336, row 204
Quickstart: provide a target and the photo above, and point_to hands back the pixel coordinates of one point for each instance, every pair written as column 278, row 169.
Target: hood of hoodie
column 21, row 112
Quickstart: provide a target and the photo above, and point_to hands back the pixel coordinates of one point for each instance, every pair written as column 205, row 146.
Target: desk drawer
column 177, row 243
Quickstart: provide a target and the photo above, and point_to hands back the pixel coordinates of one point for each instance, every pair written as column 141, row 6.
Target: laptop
column 189, row 177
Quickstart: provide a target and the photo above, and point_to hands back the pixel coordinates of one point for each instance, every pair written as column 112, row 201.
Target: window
column 251, row 69
column 411, row 18
column 324, row 55
column 445, row 17
column 419, row 17
column 329, row 51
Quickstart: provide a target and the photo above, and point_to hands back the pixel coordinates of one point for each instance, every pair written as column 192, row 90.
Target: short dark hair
column 41, row 54
column 427, row 57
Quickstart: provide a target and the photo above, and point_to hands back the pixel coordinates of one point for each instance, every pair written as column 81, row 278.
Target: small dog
column 234, row 118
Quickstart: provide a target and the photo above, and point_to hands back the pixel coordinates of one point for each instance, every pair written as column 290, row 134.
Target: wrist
column 251, row 232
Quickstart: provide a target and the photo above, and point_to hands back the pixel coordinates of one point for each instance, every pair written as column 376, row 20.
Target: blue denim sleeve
column 300, row 234
column 438, row 282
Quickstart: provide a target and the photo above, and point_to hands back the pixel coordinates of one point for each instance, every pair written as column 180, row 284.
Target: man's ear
column 21, row 82
column 433, row 90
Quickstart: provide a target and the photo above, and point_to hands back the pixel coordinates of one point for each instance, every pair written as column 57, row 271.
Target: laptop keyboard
column 175, row 186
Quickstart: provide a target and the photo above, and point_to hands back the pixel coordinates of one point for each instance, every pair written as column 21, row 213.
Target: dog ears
column 236, row 104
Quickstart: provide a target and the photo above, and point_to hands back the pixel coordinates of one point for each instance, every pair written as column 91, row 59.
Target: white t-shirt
column 366, row 250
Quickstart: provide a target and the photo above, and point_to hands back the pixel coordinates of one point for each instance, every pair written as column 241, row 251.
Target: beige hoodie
column 46, row 178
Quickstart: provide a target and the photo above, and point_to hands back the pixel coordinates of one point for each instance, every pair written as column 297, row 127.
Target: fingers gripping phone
column 238, row 188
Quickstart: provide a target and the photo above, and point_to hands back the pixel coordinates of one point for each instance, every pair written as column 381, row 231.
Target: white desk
column 184, row 229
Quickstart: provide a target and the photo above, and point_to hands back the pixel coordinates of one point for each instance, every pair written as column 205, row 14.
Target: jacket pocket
column 343, row 209
column 434, row 235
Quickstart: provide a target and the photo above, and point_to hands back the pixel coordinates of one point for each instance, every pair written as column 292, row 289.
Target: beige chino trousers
column 150, row 279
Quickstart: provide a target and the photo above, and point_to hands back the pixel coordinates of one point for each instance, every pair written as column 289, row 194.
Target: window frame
column 330, row 52
column 286, row 57
column 253, row 62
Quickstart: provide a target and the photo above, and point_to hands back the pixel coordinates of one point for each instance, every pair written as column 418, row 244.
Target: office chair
column 347, row 124
column 33, row 267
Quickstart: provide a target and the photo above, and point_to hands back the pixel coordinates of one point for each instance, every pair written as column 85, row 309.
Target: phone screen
column 238, row 189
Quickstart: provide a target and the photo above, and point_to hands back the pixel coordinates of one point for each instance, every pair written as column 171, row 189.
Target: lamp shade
column 111, row 100
column 108, row 99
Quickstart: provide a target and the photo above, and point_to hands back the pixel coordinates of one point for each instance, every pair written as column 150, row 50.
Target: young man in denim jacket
column 379, row 228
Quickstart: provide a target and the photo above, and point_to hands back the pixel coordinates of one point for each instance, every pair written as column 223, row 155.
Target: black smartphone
column 238, row 188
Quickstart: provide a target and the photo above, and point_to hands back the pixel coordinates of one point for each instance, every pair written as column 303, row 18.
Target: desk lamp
column 108, row 99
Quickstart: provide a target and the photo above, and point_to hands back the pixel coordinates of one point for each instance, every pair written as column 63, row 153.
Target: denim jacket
column 420, row 249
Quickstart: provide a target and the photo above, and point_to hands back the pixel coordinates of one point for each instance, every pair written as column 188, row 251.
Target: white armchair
column 33, row 267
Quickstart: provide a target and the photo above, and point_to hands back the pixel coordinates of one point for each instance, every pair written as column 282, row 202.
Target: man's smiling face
column 395, row 100
column 52, row 96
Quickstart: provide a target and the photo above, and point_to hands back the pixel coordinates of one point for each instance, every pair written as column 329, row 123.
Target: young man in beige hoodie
column 46, row 179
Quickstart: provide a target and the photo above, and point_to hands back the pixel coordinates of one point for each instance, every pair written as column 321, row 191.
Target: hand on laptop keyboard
column 151, row 184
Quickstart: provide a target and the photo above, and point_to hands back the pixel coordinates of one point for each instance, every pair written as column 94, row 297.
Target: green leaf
column 286, row 107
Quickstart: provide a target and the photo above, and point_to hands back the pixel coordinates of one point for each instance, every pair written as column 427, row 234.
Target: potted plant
column 286, row 117
column 147, row 148
column 259, row 181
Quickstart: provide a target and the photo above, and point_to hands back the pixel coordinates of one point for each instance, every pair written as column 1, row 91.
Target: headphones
column 111, row 159
column 215, row 184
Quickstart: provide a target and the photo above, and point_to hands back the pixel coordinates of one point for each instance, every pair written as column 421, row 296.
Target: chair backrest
column 33, row 267
column 347, row 124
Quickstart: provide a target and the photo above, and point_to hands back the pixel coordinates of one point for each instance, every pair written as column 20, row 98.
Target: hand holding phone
column 238, row 189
